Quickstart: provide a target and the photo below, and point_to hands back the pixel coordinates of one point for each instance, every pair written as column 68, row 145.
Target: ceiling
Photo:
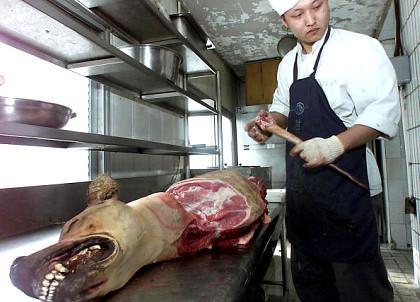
column 248, row 30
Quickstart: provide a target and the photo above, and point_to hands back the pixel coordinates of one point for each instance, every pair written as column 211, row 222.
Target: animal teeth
column 74, row 258
column 61, row 268
column 59, row 276
column 42, row 298
column 54, row 283
column 83, row 252
column 49, row 276
column 95, row 247
column 45, row 283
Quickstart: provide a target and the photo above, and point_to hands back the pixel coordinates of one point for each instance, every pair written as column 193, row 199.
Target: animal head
column 94, row 254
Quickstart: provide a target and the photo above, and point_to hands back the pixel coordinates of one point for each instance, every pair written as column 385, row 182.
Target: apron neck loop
column 295, row 67
column 320, row 51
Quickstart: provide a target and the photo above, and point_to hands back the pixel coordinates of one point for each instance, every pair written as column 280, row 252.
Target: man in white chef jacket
column 336, row 90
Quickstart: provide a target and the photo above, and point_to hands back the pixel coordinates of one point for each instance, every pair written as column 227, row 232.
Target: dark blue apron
column 328, row 216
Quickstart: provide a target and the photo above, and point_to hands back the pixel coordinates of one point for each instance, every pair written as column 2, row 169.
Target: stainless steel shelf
column 29, row 135
column 175, row 101
column 128, row 75
column 70, row 35
column 34, row 31
column 142, row 20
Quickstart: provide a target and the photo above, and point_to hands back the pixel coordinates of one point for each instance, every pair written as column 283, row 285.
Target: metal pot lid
column 286, row 44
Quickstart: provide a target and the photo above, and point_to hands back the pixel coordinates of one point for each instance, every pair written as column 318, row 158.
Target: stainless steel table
column 209, row 275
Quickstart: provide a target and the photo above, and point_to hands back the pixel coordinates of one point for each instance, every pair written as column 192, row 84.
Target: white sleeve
column 281, row 94
column 374, row 176
column 372, row 86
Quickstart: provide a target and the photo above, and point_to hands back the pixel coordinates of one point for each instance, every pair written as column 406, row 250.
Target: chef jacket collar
column 315, row 47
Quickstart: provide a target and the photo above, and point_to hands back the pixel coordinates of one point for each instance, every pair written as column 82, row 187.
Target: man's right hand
column 255, row 132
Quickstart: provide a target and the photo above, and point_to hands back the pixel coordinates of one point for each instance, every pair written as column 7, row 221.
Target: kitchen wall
column 393, row 161
column 410, row 23
column 130, row 117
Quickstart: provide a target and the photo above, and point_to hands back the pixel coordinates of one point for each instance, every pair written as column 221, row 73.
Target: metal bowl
column 34, row 112
column 164, row 61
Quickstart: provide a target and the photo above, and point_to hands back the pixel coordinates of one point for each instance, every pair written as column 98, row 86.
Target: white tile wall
column 395, row 169
column 396, row 213
column 395, row 191
column 141, row 121
column 399, row 234
column 121, row 117
column 393, row 148
column 410, row 17
column 396, row 183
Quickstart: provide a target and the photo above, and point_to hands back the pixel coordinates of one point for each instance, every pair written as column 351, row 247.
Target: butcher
column 336, row 91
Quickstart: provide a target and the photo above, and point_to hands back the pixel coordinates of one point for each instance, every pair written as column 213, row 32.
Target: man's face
column 308, row 20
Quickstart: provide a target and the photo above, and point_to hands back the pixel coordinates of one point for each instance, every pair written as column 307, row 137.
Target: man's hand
column 318, row 151
column 254, row 131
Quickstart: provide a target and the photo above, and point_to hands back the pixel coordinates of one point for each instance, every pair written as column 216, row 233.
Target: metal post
column 386, row 196
column 219, row 120
column 187, row 170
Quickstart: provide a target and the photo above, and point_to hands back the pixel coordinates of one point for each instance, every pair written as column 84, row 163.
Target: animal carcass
column 100, row 249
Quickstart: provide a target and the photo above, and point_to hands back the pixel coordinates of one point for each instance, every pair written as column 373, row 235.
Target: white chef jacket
column 357, row 77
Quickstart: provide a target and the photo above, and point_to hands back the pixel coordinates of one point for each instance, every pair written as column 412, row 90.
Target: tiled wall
column 141, row 121
column 396, row 179
column 394, row 172
column 410, row 18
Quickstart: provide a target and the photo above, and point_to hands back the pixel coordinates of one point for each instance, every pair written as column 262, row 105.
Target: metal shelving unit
column 29, row 135
column 151, row 27
column 75, row 35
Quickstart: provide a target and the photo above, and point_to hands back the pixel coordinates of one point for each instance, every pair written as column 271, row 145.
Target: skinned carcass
column 101, row 248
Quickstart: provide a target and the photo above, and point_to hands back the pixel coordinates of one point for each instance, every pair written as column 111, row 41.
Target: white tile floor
column 399, row 264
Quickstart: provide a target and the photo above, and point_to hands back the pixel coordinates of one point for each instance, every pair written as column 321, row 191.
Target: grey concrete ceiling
column 248, row 30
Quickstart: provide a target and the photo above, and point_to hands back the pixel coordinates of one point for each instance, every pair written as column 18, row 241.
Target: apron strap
column 295, row 66
column 295, row 69
column 320, row 51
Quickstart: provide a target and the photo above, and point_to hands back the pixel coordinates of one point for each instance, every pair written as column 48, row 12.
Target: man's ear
column 283, row 21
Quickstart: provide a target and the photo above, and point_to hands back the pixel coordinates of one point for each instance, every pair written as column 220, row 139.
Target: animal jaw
column 52, row 273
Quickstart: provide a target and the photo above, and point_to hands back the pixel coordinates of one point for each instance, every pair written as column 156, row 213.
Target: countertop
column 276, row 195
column 208, row 275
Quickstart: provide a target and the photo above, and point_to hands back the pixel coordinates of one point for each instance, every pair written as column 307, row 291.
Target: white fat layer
column 210, row 202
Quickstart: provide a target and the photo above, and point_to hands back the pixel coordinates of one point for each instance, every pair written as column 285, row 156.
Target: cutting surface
column 207, row 276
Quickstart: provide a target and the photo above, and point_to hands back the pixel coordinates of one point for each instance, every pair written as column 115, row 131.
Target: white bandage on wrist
column 331, row 149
